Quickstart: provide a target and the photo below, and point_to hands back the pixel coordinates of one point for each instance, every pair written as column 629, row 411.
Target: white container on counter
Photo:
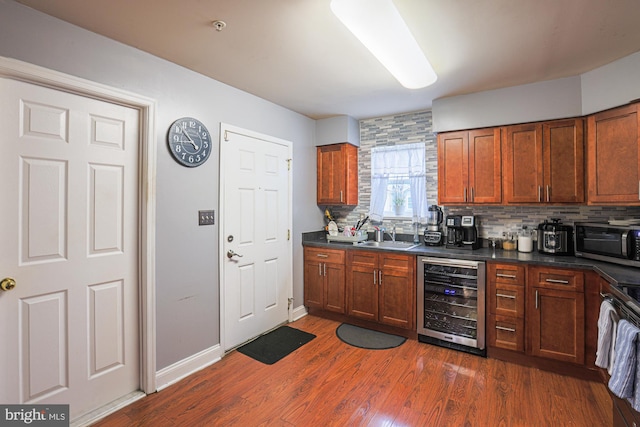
column 525, row 243
column 525, row 240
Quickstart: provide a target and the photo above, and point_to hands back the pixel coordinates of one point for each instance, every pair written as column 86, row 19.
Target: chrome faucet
column 392, row 234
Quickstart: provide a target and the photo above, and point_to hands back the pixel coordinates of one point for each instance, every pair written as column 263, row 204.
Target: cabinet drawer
column 506, row 332
column 508, row 300
column 506, row 273
column 333, row 256
column 553, row 278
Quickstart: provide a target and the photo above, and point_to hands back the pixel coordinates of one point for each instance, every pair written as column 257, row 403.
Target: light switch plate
column 206, row 217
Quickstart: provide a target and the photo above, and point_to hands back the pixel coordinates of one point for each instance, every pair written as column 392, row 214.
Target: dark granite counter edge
column 613, row 273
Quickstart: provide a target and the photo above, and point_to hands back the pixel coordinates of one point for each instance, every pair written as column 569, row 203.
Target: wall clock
column 189, row 142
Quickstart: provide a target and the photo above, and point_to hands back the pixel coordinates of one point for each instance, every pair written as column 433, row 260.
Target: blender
column 433, row 234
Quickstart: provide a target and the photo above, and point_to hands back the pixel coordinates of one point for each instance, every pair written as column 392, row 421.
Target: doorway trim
column 33, row 74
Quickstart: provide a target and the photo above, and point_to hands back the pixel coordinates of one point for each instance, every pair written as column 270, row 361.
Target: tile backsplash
column 493, row 220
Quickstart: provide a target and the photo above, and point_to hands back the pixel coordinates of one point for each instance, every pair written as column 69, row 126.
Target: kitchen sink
column 388, row 244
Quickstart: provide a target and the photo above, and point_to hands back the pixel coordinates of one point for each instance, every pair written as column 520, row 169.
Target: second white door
column 256, row 242
column 69, row 234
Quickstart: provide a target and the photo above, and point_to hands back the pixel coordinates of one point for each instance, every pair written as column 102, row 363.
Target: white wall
column 187, row 269
column 611, row 85
column 519, row 104
column 605, row 87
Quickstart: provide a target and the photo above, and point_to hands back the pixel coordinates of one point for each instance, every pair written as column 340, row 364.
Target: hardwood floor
column 329, row 383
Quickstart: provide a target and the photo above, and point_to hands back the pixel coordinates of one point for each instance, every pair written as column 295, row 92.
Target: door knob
column 231, row 254
column 7, row 284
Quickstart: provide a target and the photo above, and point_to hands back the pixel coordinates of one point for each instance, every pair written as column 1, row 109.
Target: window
column 398, row 182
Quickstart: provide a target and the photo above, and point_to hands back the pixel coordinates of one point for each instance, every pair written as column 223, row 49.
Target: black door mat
column 366, row 338
column 275, row 345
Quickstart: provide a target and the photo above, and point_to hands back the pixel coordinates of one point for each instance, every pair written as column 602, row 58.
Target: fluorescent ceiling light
column 379, row 26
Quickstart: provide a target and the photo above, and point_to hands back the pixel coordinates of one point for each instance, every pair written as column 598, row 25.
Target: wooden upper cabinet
column 469, row 167
column 613, row 153
column 563, row 151
column 522, row 158
column 337, row 174
column 453, row 167
column 544, row 162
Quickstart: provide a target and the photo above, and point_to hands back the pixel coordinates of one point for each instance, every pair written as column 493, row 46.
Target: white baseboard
column 179, row 370
column 299, row 312
column 182, row 369
column 100, row 413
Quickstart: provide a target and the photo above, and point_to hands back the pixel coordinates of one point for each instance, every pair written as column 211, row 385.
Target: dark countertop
column 613, row 273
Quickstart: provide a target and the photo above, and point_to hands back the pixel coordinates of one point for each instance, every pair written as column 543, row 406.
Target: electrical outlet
column 206, row 218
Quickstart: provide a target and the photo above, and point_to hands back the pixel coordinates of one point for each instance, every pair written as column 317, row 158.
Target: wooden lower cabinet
column 381, row 288
column 555, row 319
column 324, row 279
column 542, row 312
column 506, row 297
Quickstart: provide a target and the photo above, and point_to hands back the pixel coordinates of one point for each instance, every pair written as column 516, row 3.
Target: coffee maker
column 454, row 231
column 432, row 234
column 462, row 232
column 470, row 239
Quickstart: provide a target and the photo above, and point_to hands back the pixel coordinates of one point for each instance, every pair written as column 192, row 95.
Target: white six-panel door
column 256, row 221
column 69, row 238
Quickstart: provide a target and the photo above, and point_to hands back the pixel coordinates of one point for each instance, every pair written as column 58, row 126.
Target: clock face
column 189, row 142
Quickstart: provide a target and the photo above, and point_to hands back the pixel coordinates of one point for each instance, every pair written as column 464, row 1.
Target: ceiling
column 295, row 53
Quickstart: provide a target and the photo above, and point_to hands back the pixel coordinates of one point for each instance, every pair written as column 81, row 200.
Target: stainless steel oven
column 451, row 303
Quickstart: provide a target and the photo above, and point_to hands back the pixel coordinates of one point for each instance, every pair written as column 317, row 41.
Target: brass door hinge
column 289, row 164
column 288, row 234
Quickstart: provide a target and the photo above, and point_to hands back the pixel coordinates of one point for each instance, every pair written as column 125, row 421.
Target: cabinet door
column 331, row 175
column 337, row 174
column 453, row 167
column 555, row 322
column 313, row 284
column 613, row 153
column 563, row 161
column 363, row 285
column 485, row 178
column 334, row 288
column 397, row 290
column 522, row 157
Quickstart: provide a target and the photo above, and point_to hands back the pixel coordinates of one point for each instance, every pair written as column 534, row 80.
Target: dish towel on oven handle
column 607, row 326
column 623, row 376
